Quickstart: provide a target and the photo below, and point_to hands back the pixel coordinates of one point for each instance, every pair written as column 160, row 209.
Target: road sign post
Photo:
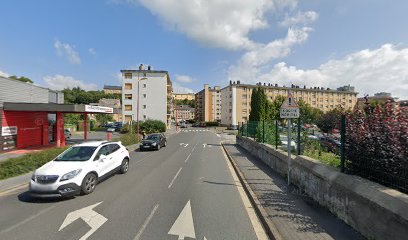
column 289, row 110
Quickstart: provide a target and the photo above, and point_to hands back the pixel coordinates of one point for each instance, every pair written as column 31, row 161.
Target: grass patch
column 324, row 157
column 127, row 139
column 27, row 163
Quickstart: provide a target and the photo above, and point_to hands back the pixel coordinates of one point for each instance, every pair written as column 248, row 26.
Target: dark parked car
column 331, row 144
column 153, row 141
column 67, row 133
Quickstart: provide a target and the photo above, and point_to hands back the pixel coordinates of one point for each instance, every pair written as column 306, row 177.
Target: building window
column 128, row 96
column 128, row 107
column 144, row 95
column 144, row 85
column 230, row 110
column 144, row 106
column 128, row 86
column 128, row 75
column 144, row 116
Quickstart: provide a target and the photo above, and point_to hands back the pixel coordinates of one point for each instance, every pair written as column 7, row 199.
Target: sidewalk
column 292, row 215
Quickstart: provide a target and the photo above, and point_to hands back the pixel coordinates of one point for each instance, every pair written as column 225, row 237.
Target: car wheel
column 165, row 143
column 125, row 166
column 158, row 146
column 89, row 184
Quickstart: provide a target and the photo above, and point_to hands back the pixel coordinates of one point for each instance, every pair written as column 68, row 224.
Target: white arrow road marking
column 148, row 219
column 184, row 225
column 218, row 135
column 181, row 144
column 92, row 218
column 185, row 145
column 205, row 238
column 174, row 179
column 204, row 144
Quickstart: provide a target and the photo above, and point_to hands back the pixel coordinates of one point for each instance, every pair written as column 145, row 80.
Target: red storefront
column 27, row 124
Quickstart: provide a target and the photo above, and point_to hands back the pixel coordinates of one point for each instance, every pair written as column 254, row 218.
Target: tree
column 104, row 118
column 275, row 107
column 329, row 120
column 22, row 79
column 259, row 105
column 308, row 114
column 179, row 102
column 254, row 114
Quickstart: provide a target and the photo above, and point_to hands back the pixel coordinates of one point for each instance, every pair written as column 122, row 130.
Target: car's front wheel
column 165, row 143
column 89, row 183
column 158, row 146
column 125, row 166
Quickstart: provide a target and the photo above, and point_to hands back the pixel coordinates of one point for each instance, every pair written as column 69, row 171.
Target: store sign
column 289, row 109
column 98, row 109
column 9, row 131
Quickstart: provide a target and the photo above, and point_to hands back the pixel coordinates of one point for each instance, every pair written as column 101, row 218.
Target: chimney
column 276, row 85
column 234, row 82
column 149, row 67
column 141, row 67
column 238, row 82
column 230, row 82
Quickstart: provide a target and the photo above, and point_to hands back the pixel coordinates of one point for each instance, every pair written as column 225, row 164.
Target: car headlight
column 154, row 144
column 33, row 177
column 70, row 175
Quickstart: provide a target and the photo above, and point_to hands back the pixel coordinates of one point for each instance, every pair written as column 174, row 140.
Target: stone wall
column 375, row 211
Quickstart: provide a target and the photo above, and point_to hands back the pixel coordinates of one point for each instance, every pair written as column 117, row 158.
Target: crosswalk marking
column 195, row 130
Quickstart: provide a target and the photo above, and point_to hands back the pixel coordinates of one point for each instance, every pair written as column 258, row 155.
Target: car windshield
column 76, row 154
column 152, row 137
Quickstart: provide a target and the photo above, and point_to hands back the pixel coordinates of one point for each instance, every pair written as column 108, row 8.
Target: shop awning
column 55, row 107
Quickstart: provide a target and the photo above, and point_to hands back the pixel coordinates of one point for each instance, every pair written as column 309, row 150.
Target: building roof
column 111, row 87
column 30, row 84
column 296, row 88
column 144, row 71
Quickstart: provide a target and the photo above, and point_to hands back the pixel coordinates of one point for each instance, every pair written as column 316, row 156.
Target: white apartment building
column 154, row 91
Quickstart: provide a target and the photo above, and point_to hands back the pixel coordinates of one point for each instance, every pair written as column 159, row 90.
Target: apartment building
column 109, row 89
column 182, row 96
column 236, row 99
column 184, row 112
column 150, row 91
column 208, row 104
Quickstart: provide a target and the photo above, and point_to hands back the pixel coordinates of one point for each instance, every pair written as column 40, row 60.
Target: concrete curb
column 269, row 226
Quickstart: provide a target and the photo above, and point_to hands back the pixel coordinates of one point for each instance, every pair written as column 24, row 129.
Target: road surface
column 184, row 191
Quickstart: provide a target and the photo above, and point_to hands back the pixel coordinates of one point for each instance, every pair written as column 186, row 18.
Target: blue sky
column 315, row 43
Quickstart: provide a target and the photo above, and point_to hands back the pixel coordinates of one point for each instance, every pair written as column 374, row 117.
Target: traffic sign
column 289, row 109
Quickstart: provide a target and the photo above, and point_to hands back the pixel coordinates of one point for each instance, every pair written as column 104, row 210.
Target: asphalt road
column 183, row 191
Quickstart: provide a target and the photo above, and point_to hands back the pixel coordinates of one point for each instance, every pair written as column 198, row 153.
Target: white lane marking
column 92, row 218
column 27, row 219
column 186, row 145
column 181, row 144
column 218, row 135
column 174, row 179
column 205, row 238
column 184, row 225
column 146, row 222
column 209, row 146
column 204, row 144
column 256, row 224
column 194, row 147
column 188, row 157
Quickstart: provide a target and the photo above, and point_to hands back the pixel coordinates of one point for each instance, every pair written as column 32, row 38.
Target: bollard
column 108, row 136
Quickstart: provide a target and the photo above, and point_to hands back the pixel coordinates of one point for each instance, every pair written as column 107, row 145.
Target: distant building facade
column 109, row 89
column 208, row 104
column 182, row 96
column 154, row 95
column 236, row 99
column 112, row 103
column 184, row 112
column 378, row 98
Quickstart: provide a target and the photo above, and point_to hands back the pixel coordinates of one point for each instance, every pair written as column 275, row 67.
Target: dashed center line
column 188, row 157
column 174, row 179
column 148, row 219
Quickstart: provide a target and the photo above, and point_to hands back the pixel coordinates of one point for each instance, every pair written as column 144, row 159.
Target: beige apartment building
column 236, row 99
column 208, row 104
column 184, row 112
column 182, row 96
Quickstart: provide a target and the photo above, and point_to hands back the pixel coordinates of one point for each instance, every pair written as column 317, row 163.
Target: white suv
column 78, row 169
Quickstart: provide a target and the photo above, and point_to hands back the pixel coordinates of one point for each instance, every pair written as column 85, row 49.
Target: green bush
column 152, row 126
column 212, row 124
column 27, row 163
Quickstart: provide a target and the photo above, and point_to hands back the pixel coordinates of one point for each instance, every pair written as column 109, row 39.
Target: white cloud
column 224, row 24
column 252, row 62
column 65, row 49
column 92, row 51
column 59, row 82
column 184, row 78
column 301, row 18
column 177, row 88
column 378, row 70
column 4, row 74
